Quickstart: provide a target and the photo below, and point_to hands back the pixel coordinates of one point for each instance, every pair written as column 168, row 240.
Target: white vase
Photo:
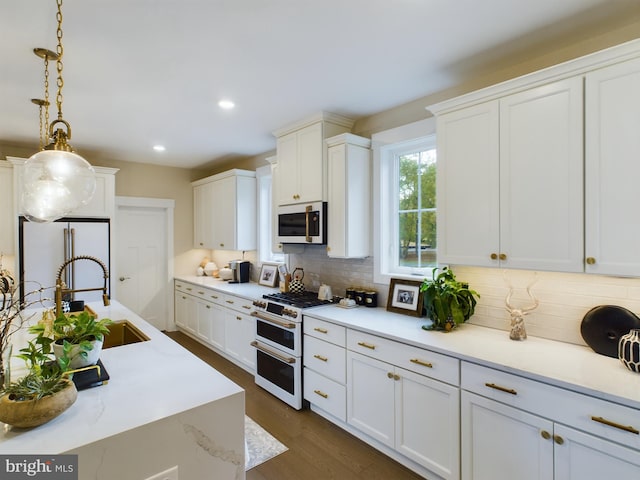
column 629, row 350
column 77, row 361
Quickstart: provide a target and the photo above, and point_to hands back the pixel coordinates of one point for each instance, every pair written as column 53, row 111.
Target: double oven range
column 279, row 343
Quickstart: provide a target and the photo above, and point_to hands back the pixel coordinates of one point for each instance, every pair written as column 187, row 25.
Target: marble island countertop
column 149, row 381
column 574, row 367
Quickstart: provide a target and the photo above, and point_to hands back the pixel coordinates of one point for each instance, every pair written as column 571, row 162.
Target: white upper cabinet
column 612, row 169
column 7, row 215
column 225, row 211
column 349, row 196
column 302, row 158
column 510, row 180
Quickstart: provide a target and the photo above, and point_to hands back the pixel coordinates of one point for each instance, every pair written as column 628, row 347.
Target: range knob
column 259, row 304
column 289, row 313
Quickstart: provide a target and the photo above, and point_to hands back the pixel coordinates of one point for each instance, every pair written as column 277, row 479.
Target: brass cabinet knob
column 389, row 375
column 502, row 256
column 590, row 261
column 494, row 256
column 546, row 435
column 558, row 439
column 222, row 244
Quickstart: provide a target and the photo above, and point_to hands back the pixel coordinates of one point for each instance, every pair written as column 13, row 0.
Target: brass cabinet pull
column 367, row 345
column 222, row 244
column 200, row 292
column 321, row 330
column 215, row 297
column 417, row 361
column 396, row 377
column 208, row 306
column 590, row 261
column 393, row 376
column 615, row 425
column 502, row 256
column 321, row 393
column 546, row 435
column 238, row 318
column 229, row 301
column 248, row 307
column 502, row 389
column 189, row 288
column 558, row 439
column 494, row 256
column 321, row 358
column 389, row 374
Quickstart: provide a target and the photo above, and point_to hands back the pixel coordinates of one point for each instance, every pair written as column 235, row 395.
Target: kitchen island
column 162, row 407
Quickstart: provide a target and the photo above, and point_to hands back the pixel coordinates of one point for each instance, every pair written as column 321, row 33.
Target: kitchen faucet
column 61, row 287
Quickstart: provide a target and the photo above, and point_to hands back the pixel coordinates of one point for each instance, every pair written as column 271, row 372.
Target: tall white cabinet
column 510, row 172
column 349, row 196
column 612, row 138
column 224, row 207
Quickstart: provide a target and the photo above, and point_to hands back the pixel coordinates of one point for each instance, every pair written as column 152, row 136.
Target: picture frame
column 405, row 297
column 268, row 275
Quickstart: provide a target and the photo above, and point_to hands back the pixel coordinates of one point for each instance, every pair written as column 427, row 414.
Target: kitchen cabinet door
column 541, row 178
column 217, row 335
column 503, row 443
column 371, row 397
column 223, row 216
column 204, row 319
column 428, row 422
column 580, row 456
column 349, row 196
column 468, row 178
column 203, row 216
column 7, row 213
column 287, row 186
column 239, row 333
column 612, row 124
column 185, row 311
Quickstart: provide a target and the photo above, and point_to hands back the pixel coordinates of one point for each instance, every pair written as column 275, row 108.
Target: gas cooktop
column 300, row 300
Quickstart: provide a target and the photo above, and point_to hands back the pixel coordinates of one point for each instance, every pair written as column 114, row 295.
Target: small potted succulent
column 446, row 301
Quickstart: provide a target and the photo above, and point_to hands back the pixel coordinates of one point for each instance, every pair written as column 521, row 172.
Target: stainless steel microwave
column 303, row 223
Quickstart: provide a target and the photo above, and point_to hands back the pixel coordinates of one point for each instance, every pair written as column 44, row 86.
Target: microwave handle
column 308, row 211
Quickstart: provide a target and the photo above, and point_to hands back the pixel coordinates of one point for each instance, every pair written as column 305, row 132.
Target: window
column 405, row 229
column 265, row 204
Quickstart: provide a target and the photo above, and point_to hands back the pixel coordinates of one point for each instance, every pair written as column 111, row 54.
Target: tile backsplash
column 564, row 298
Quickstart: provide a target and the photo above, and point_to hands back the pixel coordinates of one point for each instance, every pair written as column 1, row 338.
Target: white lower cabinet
column 220, row 321
column 513, row 427
column 406, row 398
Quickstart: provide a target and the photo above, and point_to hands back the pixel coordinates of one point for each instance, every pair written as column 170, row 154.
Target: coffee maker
column 239, row 271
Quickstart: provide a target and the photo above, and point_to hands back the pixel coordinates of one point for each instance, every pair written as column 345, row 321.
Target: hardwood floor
column 318, row 450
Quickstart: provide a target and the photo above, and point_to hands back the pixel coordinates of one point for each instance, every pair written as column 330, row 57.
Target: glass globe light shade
column 56, row 183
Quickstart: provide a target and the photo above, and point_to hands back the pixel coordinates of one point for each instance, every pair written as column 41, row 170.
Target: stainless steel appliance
column 278, row 343
column 239, row 271
column 44, row 247
column 303, row 223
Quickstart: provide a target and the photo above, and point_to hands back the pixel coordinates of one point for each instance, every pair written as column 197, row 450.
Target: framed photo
column 268, row 275
column 405, row 297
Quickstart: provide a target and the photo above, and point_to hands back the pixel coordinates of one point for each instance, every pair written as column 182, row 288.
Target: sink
column 123, row 332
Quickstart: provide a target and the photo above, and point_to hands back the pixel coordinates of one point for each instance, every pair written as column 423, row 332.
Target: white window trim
column 264, row 257
column 380, row 144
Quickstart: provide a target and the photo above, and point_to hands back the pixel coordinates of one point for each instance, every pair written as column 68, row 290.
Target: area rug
column 260, row 445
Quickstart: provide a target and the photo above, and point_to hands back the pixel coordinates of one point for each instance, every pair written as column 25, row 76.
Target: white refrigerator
column 45, row 247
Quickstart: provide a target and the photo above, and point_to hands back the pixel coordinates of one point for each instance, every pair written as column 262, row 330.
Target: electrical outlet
column 170, row 474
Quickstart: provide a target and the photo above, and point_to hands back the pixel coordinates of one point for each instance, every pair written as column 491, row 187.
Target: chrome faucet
column 61, row 287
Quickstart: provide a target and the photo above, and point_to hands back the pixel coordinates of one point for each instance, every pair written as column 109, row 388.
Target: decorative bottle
column 629, row 350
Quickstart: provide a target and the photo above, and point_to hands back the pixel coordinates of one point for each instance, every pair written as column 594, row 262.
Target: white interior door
column 144, row 250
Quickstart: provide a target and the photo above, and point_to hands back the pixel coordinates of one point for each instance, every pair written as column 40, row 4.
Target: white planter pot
column 77, row 361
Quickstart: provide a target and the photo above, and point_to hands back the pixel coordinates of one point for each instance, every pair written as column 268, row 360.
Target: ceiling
column 143, row 72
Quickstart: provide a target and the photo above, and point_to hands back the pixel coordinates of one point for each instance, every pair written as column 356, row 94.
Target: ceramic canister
column 629, row 350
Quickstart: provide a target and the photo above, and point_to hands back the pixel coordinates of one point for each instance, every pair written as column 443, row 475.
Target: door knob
column 122, row 279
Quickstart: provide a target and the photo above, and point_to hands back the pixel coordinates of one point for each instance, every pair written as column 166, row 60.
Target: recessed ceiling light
column 159, row 148
column 226, row 104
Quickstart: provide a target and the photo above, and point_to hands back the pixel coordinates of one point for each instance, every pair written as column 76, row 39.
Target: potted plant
column 43, row 393
column 447, row 302
column 81, row 334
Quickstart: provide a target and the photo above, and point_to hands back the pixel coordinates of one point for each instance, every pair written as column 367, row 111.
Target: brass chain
column 59, row 65
column 40, row 105
column 44, row 128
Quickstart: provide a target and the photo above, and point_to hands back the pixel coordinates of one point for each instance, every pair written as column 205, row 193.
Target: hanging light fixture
column 56, row 180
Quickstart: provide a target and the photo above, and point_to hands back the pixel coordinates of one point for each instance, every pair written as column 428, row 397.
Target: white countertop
column 149, row 381
column 569, row 366
column 249, row 290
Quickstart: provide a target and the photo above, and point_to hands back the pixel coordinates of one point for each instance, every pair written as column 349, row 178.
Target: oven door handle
column 272, row 353
column 289, row 325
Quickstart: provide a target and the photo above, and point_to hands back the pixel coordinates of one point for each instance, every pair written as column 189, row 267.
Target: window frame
column 385, row 145
column 265, row 254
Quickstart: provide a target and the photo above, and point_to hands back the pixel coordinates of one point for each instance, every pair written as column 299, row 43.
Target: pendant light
column 56, row 180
